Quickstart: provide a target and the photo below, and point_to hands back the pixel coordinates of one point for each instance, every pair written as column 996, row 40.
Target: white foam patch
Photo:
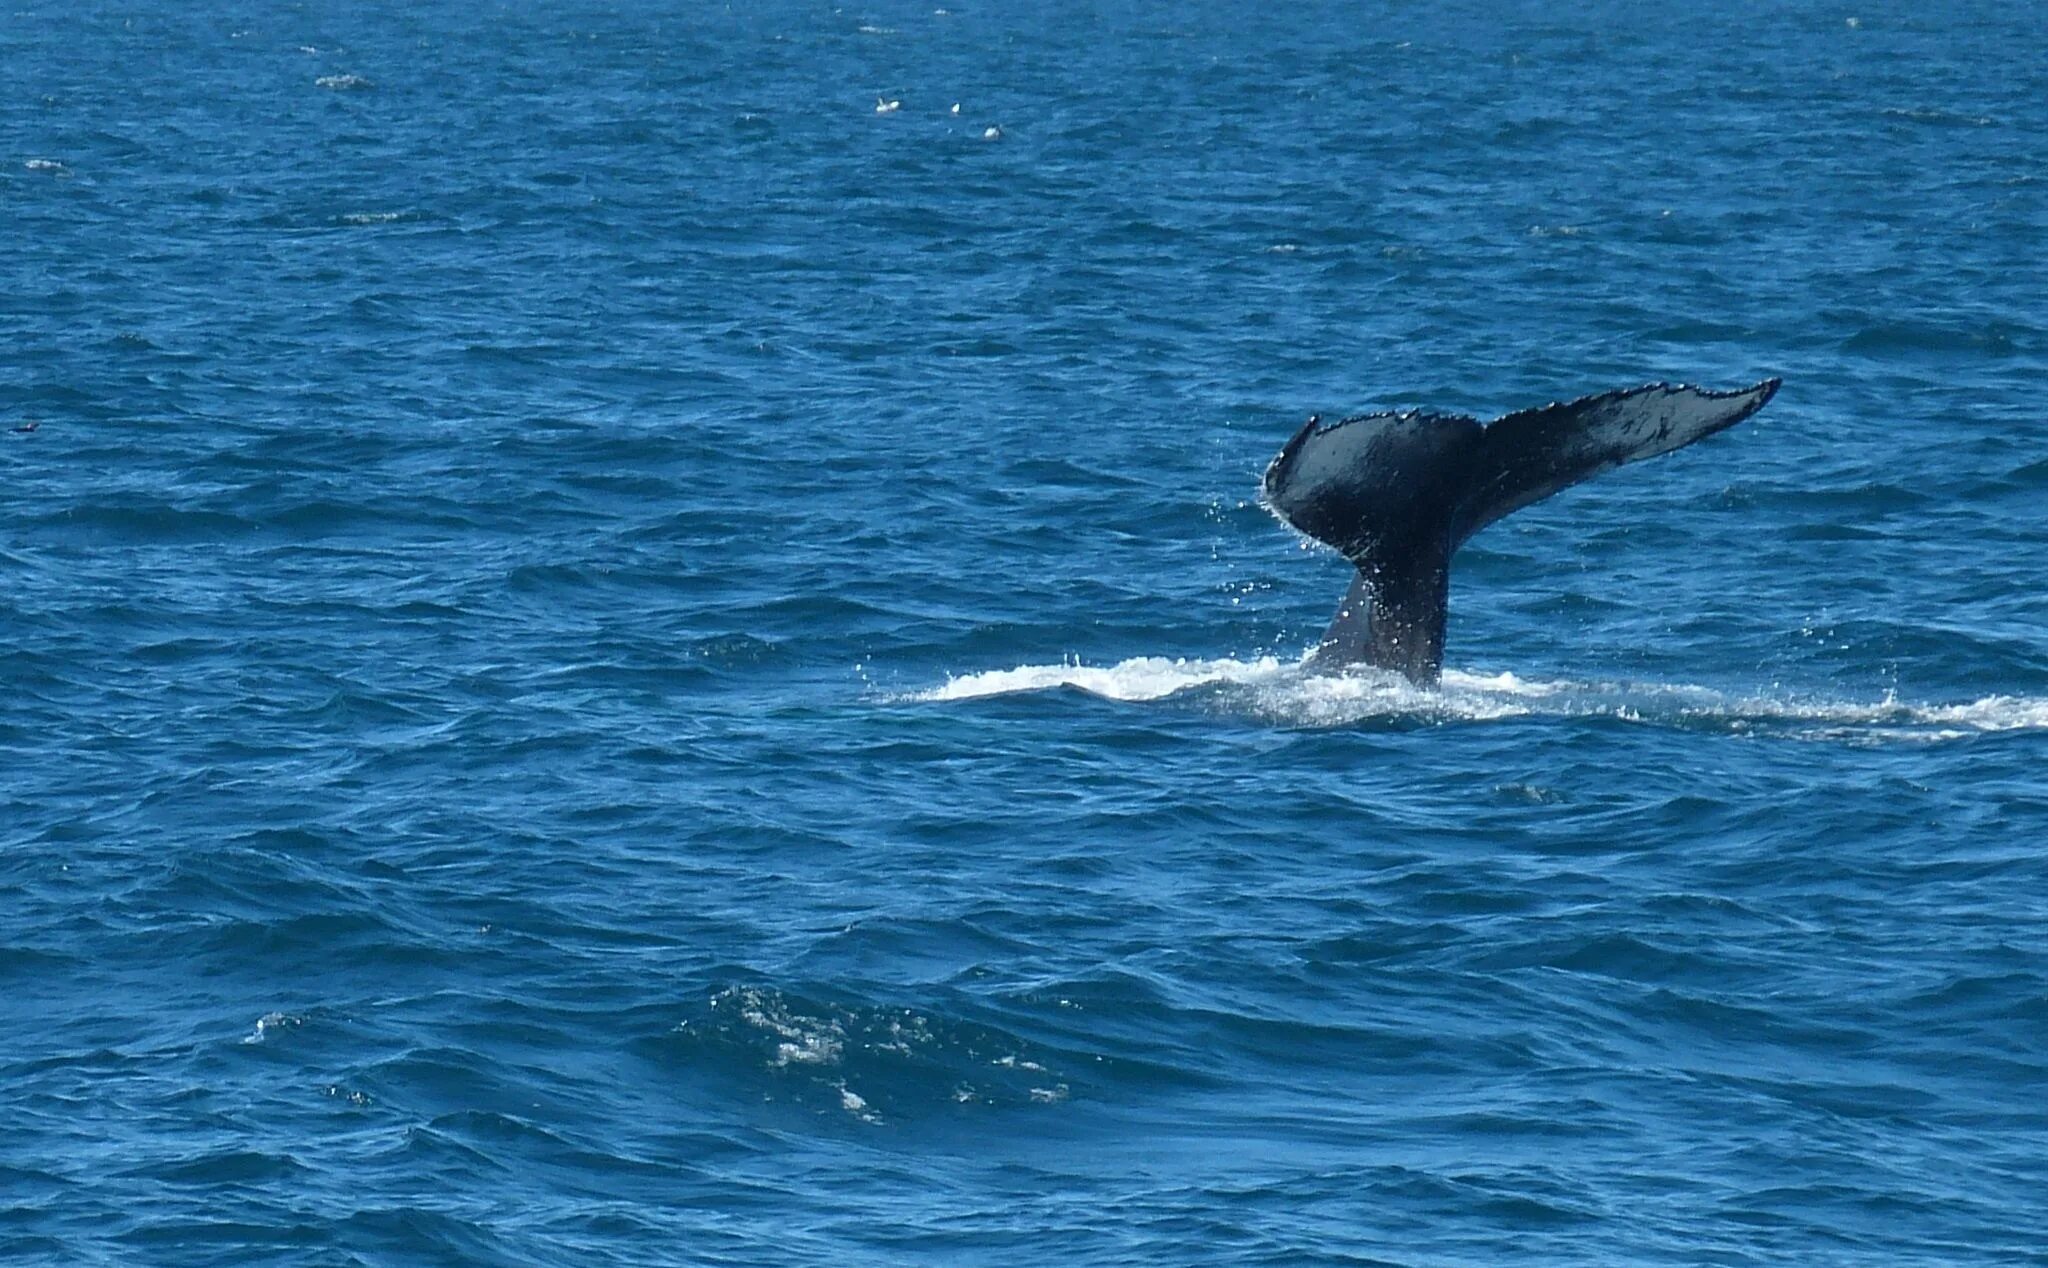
column 803, row 1040
column 1269, row 688
column 269, row 1024
column 1286, row 692
column 1145, row 678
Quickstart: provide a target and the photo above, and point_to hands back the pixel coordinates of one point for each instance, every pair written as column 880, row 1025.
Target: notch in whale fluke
column 1398, row 493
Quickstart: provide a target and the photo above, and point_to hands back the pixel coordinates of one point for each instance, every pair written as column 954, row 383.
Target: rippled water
column 613, row 656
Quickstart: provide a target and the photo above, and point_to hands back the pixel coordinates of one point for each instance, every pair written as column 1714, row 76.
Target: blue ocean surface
column 628, row 639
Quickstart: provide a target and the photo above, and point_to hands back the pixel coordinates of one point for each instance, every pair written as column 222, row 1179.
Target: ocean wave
column 874, row 1063
column 1287, row 692
column 1942, row 118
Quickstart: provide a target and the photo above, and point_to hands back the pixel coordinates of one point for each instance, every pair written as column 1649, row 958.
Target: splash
column 1287, row 693
column 1283, row 691
column 1144, row 678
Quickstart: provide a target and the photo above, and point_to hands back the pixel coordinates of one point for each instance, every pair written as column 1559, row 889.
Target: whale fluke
column 1398, row 493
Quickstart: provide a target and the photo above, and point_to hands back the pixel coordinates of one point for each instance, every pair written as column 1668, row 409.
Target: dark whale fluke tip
column 1398, row 493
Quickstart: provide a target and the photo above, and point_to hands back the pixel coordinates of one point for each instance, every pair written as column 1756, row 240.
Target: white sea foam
column 1287, row 693
column 803, row 1040
column 857, row 1105
column 270, row 1022
column 1145, row 678
column 342, row 83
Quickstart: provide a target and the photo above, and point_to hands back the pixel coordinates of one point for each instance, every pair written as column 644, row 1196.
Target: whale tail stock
column 1398, row 493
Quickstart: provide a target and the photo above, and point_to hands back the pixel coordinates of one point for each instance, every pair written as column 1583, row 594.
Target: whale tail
column 1397, row 494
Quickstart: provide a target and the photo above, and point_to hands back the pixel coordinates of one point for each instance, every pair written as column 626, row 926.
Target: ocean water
column 610, row 655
